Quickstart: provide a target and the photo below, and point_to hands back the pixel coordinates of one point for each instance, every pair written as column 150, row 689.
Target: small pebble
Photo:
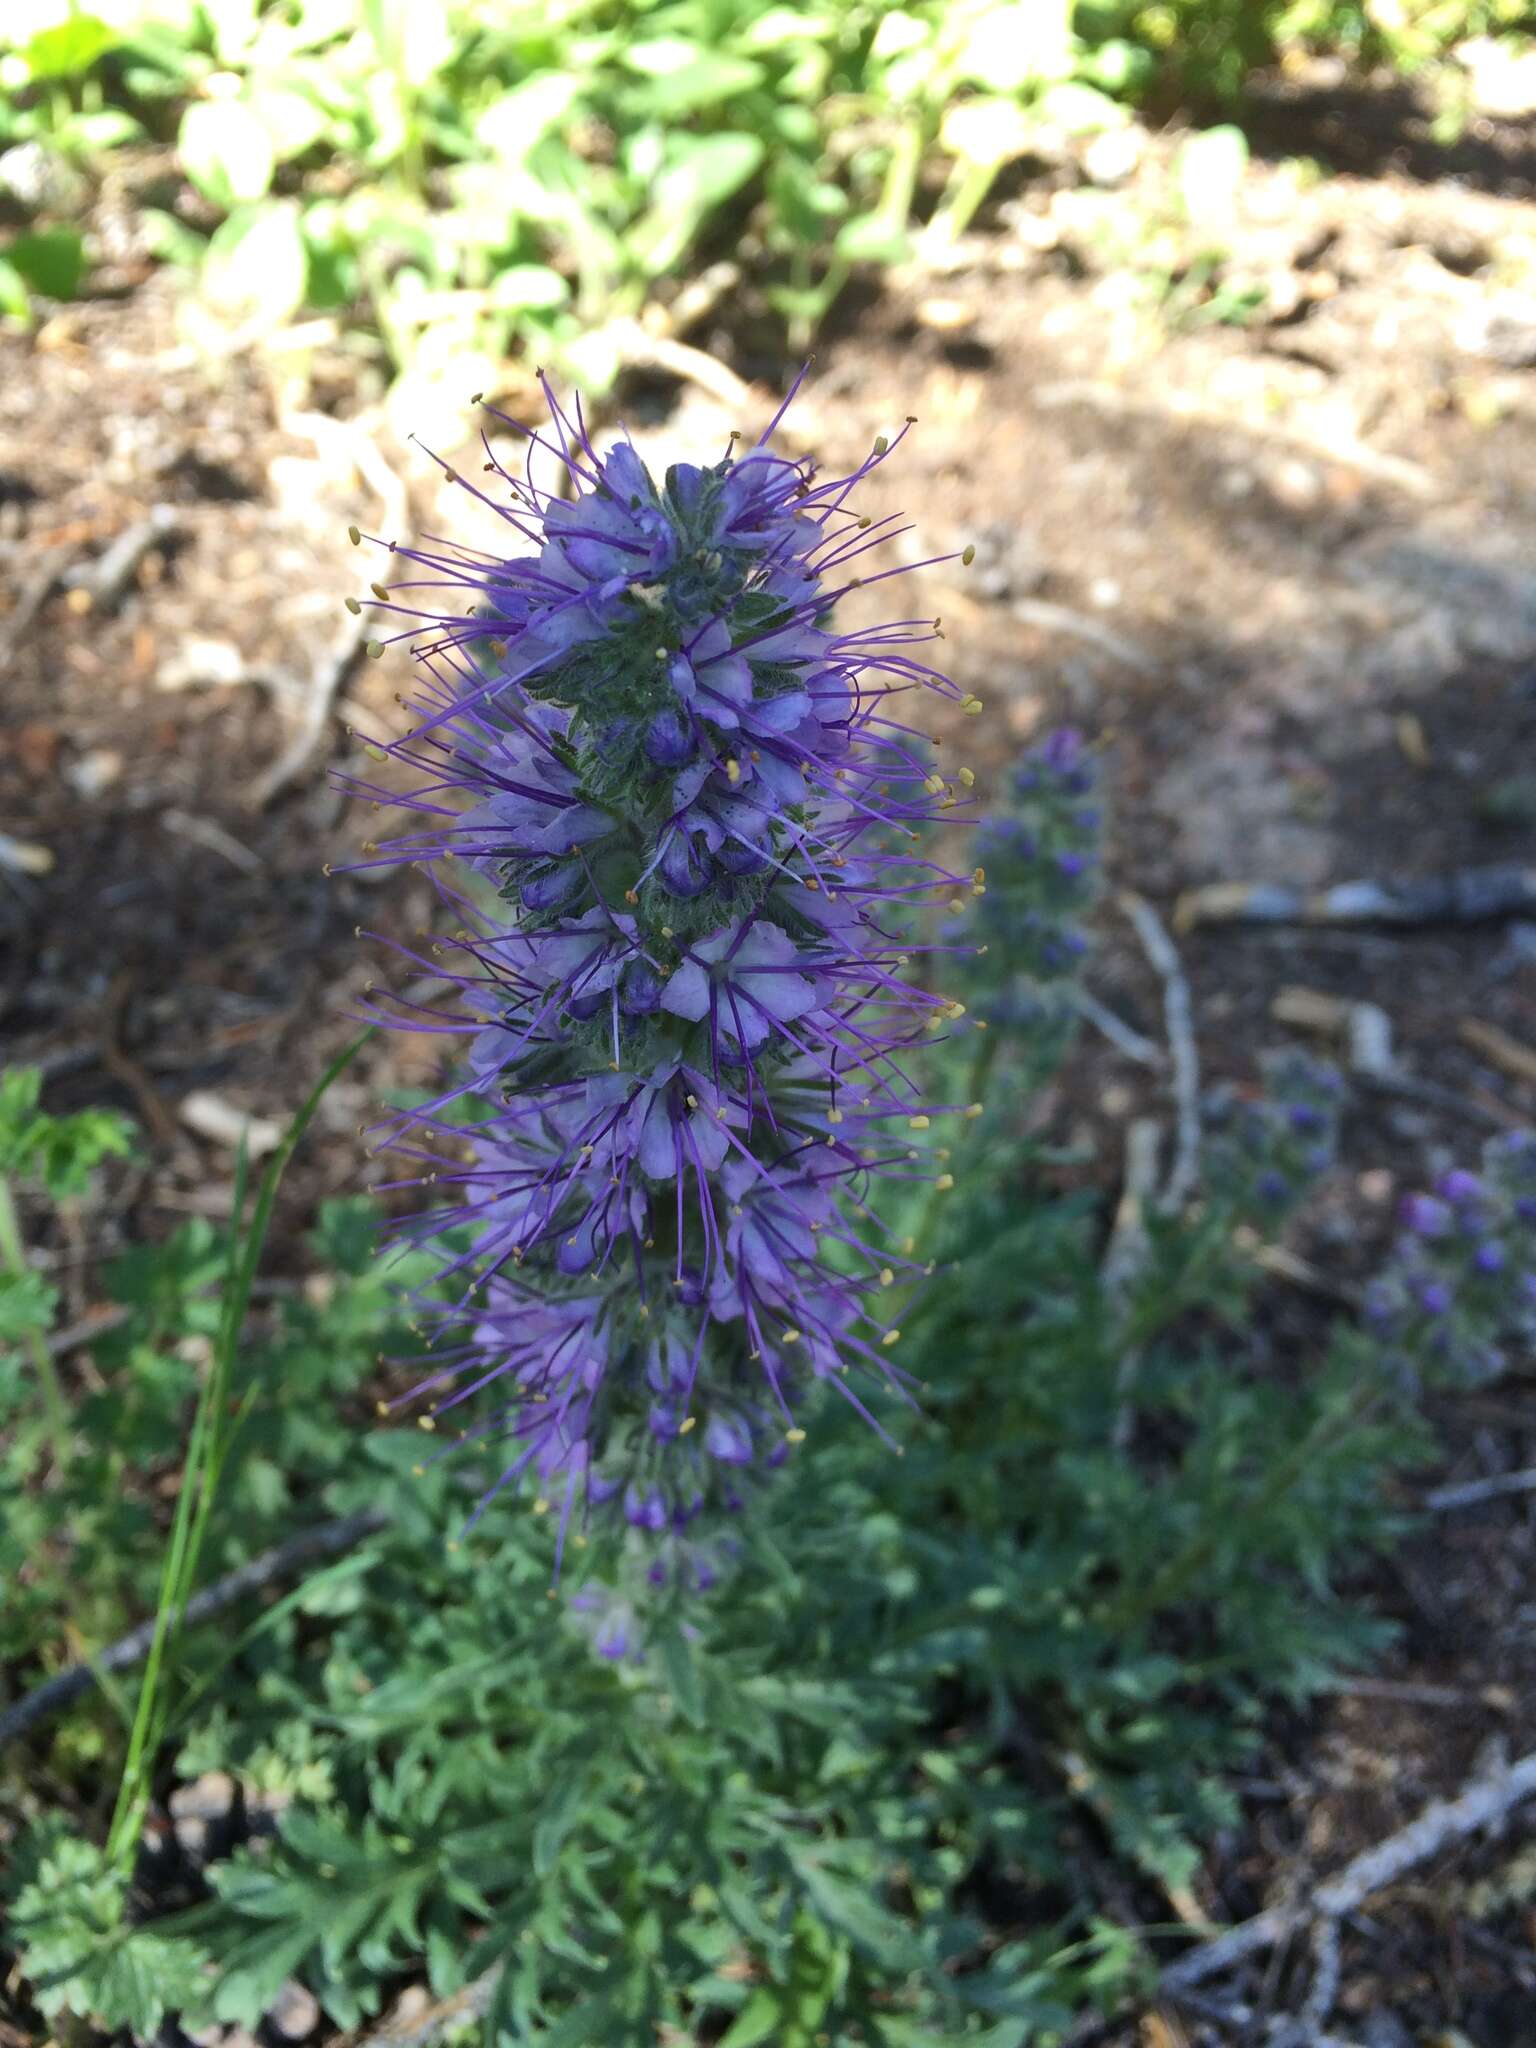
column 294, row 2014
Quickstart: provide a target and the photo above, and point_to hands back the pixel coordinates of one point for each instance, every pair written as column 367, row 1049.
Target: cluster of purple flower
column 677, row 824
column 1262, row 1156
column 1040, row 860
column 1461, row 1280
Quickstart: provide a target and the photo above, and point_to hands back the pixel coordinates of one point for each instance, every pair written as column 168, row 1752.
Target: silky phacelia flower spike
column 675, row 816
column 1460, row 1284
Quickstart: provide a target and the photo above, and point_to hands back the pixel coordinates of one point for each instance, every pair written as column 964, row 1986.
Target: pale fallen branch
column 1508, row 1054
column 1178, row 1021
column 105, row 579
column 1469, row 896
column 1126, row 1253
column 1060, row 618
column 1124, row 1037
column 1484, row 1803
column 640, row 349
column 66, row 1686
column 324, row 685
column 1340, row 449
column 1472, row 1492
column 419, row 2029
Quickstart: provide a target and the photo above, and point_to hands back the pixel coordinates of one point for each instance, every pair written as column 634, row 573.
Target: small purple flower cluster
column 678, row 825
column 1040, row 860
column 1460, row 1283
column 1264, row 1155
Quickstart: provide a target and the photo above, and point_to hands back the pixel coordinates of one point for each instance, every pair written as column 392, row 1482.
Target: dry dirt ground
column 1282, row 571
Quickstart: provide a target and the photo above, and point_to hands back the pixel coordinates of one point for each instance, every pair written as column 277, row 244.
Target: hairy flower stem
column 13, row 1256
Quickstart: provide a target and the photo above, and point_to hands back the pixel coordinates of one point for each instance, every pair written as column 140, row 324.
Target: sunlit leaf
column 226, row 152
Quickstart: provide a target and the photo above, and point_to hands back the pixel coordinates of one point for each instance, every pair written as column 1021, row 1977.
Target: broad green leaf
column 528, row 288
column 257, row 264
column 1209, row 171
column 705, row 171
column 873, row 238
column 760, row 2019
column 1012, row 48
column 226, row 151
column 989, row 131
column 1079, row 109
column 293, row 119
column 52, row 261
column 14, row 301
column 70, row 48
column 512, row 125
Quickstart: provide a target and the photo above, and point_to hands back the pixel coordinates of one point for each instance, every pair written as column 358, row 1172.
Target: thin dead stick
column 105, row 579
column 1473, row 1491
column 1124, row 1037
column 325, row 684
column 1060, row 618
column 1352, row 454
column 1178, row 1020
column 1510, row 1055
column 1486, row 1801
column 1126, row 1253
column 65, row 1687
column 418, row 2030
column 1468, row 896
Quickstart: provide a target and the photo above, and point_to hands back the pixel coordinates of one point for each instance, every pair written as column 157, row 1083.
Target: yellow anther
column 381, row 1407
column 933, row 783
column 790, row 1337
column 968, row 777
column 380, row 592
column 541, row 1507
column 887, row 1277
column 891, row 1337
column 972, row 706
column 944, row 1182
column 794, row 1436
column 354, row 534
column 975, row 1109
column 969, row 554
column 352, row 606
column 419, row 1471
column 374, row 650
column 426, row 1422
column 917, row 1123
column 834, row 1116
column 688, row 1422
column 881, row 444
column 957, row 903
column 733, row 771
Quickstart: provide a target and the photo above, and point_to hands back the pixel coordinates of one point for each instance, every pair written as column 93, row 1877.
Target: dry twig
column 321, row 691
column 1178, row 1019
column 65, row 1687
column 1485, row 1802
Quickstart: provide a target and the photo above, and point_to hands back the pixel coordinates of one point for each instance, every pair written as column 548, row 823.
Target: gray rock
column 294, row 2014
column 1384, row 2030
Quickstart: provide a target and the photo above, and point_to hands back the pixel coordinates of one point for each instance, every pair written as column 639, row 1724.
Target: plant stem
column 14, row 1258
column 213, row 1431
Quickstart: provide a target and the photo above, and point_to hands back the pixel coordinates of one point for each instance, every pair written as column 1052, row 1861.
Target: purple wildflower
column 676, row 820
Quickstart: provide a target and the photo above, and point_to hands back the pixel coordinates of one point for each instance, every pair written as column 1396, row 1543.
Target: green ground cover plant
column 465, row 180
column 839, row 1796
